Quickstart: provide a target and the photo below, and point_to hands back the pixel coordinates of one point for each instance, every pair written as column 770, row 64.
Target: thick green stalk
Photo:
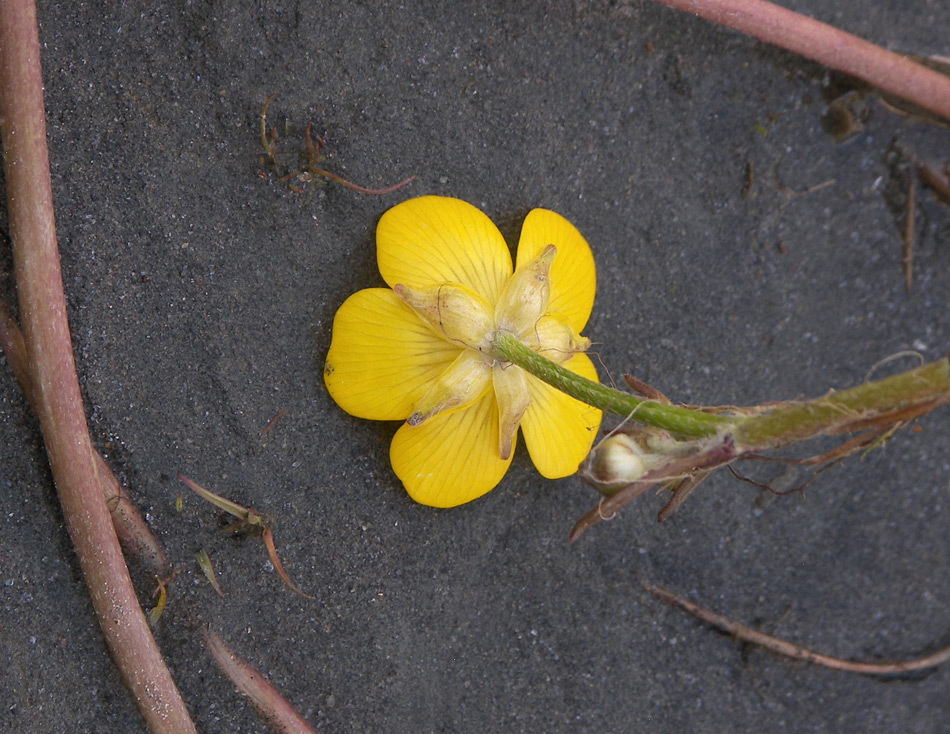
column 872, row 410
column 683, row 421
column 913, row 392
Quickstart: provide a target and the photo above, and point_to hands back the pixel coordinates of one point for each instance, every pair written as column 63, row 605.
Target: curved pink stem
column 827, row 45
column 58, row 401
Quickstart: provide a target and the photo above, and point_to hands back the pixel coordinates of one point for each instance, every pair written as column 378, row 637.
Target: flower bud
column 614, row 463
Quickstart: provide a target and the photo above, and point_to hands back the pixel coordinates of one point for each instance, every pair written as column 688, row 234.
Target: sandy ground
column 202, row 292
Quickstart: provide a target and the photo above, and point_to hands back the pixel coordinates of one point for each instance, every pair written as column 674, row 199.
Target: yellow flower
column 422, row 352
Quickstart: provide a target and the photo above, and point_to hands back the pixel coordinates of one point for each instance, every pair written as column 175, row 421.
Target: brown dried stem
column 271, row 707
column 888, row 71
column 134, row 535
column 55, row 384
column 936, row 178
column 789, row 649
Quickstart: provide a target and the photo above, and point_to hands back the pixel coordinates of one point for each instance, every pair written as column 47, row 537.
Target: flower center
column 462, row 317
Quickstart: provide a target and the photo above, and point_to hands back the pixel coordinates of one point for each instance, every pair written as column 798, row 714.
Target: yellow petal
column 573, row 277
column 382, row 358
column 434, row 239
column 452, row 458
column 559, row 430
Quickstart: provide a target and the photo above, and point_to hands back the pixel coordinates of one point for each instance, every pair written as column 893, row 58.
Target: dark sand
column 201, row 299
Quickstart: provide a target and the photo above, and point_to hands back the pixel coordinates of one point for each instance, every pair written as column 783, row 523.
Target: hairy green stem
column 914, row 391
column 871, row 410
column 683, row 421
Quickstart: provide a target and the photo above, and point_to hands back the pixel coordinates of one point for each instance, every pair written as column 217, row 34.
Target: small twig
column 800, row 489
column 936, row 179
column 359, row 189
column 791, row 650
column 907, row 258
column 273, row 421
column 792, row 193
column 314, row 157
column 827, row 45
column 313, row 167
column 267, row 535
column 247, row 519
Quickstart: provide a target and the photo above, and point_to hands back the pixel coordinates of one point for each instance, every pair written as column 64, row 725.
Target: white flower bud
column 615, row 462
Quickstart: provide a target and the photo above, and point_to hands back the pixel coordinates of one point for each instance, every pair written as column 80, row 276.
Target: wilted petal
column 573, row 277
column 525, row 296
column 382, row 358
column 512, row 397
column 433, row 240
column 464, row 382
column 451, row 459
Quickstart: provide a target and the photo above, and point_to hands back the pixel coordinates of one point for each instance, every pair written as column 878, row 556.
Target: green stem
column 673, row 418
column 874, row 408
column 909, row 393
